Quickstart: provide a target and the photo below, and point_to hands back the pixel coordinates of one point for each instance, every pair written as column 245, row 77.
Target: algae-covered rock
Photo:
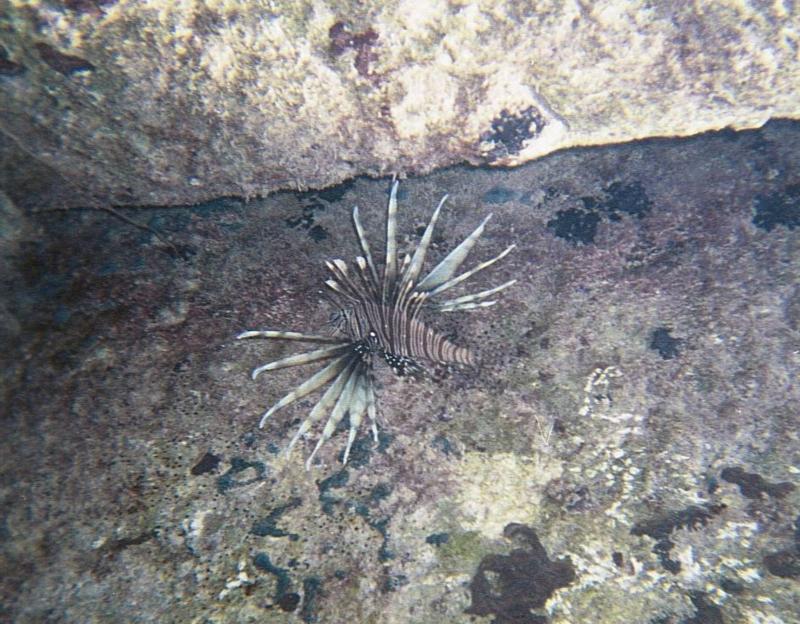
column 160, row 102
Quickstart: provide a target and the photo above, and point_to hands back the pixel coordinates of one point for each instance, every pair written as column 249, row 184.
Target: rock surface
column 130, row 103
column 627, row 450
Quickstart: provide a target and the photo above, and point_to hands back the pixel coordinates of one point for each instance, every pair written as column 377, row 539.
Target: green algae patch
column 462, row 551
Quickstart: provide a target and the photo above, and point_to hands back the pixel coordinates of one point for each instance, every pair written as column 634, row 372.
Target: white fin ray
column 362, row 240
column 325, row 403
column 338, row 412
column 301, row 358
column 467, row 274
column 357, row 408
column 316, row 381
column 412, row 273
column 288, row 335
column 390, row 268
column 372, row 411
column 445, row 269
column 466, row 306
column 476, row 296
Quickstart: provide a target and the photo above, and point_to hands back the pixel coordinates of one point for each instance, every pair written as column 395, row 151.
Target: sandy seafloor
column 626, row 451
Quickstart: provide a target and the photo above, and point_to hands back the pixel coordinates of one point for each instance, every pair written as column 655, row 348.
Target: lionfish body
column 379, row 318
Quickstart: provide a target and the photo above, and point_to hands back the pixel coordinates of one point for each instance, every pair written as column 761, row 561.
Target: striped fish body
column 398, row 336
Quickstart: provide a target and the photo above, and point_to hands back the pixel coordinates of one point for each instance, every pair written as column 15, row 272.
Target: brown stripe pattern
column 380, row 316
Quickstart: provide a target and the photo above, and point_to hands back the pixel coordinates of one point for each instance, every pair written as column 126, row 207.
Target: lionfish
column 378, row 317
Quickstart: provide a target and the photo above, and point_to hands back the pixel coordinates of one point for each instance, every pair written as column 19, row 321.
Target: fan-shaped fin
column 339, row 410
column 325, row 403
column 317, row 380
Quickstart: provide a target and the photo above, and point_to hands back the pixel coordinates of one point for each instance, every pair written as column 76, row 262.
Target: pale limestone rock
column 174, row 102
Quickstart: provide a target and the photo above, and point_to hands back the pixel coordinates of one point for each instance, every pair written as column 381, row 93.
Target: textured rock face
column 626, row 450
column 162, row 102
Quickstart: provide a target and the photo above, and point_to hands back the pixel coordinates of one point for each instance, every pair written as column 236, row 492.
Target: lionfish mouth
column 380, row 318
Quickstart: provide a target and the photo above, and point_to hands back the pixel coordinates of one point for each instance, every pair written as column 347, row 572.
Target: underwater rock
column 167, row 103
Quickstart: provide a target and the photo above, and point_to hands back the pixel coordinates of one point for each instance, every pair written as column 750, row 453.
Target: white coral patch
column 501, row 488
column 429, row 101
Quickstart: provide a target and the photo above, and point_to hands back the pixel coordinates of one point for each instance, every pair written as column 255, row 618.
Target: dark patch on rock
column 510, row 131
column 9, row 67
column 509, row 586
column 381, row 526
column 109, row 550
column 207, row 463
column 753, row 485
column 335, row 193
column 312, row 202
column 363, row 447
column 179, row 252
column 705, row 612
column 661, row 528
column 578, row 225
column 205, row 21
column 621, row 199
column 285, row 599
column 343, row 39
column 288, row 602
column 692, row 518
column 662, row 342
column 362, row 507
column 499, row 195
column 443, row 445
column 283, row 582
column 784, row 563
column 312, row 587
column 318, row 233
column 335, row 481
column 393, row 582
column 617, row 558
column 380, row 492
column 305, row 219
column 437, row 539
column 87, row 6
column 778, row 208
column 228, row 481
column 573, row 497
column 65, row 64
column 268, row 526
column 575, row 226
column 731, row 586
column 663, row 548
